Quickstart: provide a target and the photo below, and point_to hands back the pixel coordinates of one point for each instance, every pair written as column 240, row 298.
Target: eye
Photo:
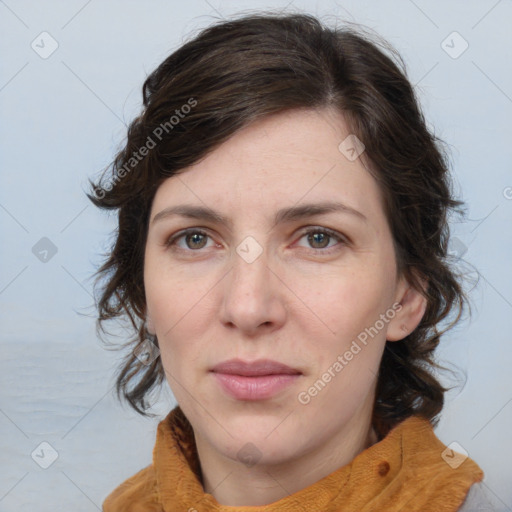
column 194, row 239
column 320, row 238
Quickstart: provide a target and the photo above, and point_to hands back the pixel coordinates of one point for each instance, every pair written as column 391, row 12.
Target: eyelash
column 329, row 232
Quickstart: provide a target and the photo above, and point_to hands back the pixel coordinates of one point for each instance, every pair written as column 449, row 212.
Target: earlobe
column 413, row 305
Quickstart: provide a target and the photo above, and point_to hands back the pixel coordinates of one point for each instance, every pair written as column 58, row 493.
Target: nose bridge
column 250, row 298
column 250, row 277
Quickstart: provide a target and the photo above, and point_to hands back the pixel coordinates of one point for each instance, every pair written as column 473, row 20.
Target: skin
column 301, row 302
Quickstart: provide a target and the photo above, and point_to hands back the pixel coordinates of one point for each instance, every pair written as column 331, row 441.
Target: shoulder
column 136, row 494
column 478, row 499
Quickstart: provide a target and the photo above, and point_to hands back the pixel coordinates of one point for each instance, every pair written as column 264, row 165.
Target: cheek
column 349, row 301
column 350, row 306
column 349, row 356
column 170, row 295
column 177, row 311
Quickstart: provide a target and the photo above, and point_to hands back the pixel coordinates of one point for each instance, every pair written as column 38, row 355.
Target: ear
column 413, row 306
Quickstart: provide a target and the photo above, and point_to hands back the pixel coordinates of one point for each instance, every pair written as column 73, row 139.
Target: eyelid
column 331, row 232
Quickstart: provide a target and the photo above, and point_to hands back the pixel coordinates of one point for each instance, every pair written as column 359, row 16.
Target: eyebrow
column 283, row 215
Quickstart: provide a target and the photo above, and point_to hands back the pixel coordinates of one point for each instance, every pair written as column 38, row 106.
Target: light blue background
column 62, row 118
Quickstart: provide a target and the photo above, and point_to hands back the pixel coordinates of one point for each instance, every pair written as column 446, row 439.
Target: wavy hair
column 237, row 71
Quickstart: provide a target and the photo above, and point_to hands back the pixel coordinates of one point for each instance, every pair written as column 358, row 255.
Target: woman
column 282, row 256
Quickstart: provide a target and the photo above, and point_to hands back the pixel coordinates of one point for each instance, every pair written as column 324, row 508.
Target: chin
column 252, row 450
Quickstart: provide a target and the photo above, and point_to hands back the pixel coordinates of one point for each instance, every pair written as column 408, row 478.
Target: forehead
column 281, row 160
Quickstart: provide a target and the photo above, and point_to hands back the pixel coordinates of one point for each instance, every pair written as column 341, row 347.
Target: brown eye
column 319, row 239
column 194, row 239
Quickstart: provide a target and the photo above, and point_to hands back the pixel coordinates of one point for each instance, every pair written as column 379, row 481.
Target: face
column 265, row 278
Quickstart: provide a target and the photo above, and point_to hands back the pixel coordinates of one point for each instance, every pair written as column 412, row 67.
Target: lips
column 255, row 368
column 257, row 380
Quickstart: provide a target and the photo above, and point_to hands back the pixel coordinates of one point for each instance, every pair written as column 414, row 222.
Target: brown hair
column 240, row 70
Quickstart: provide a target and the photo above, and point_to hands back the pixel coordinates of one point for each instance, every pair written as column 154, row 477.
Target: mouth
column 257, row 380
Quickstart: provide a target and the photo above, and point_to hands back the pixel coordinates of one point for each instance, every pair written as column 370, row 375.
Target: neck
column 234, row 484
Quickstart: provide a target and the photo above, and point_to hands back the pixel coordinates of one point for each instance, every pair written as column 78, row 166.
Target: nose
column 254, row 296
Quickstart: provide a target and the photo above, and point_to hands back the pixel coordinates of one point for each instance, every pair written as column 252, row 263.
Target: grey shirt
column 479, row 499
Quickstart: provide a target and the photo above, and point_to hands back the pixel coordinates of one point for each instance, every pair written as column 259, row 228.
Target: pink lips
column 257, row 380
